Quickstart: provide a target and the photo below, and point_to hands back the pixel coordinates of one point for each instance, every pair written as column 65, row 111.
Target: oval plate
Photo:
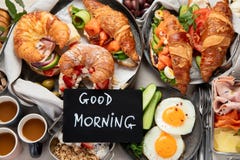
column 194, row 72
column 192, row 141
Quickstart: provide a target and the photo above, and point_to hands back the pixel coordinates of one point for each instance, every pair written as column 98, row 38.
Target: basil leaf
column 11, row 8
column 20, row 2
column 18, row 16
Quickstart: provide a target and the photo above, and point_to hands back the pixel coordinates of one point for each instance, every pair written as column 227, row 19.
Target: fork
column 202, row 99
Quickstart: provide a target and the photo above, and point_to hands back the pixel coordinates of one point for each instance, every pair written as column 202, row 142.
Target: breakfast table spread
column 142, row 77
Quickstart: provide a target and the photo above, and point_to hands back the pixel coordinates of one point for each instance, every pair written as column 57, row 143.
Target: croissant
column 180, row 50
column 115, row 24
column 215, row 39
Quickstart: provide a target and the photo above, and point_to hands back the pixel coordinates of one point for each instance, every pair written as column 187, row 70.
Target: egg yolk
column 174, row 116
column 165, row 145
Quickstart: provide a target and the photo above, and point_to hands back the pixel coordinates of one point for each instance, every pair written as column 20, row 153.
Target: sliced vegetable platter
column 123, row 76
column 184, row 15
column 152, row 96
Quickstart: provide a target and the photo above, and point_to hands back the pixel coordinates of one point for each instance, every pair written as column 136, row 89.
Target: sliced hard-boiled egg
column 159, row 145
column 158, row 14
column 175, row 116
column 168, row 72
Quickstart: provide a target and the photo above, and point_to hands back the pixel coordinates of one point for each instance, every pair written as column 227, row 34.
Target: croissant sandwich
column 212, row 36
column 171, row 52
column 115, row 26
column 216, row 38
column 37, row 35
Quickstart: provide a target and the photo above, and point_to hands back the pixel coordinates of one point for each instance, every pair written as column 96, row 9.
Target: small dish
column 192, row 140
column 219, row 149
column 73, row 148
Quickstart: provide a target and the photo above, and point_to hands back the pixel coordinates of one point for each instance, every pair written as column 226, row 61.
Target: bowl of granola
column 80, row 150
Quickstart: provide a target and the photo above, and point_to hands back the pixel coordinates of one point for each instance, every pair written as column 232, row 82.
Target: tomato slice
column 49, row 72
column 68, row 81
column 201, row 17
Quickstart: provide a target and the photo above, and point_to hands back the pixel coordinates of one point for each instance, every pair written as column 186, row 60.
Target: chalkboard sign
column 102, row 116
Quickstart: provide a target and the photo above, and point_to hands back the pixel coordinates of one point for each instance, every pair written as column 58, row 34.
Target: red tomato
column 201, row 17
column 88, row 145
column 49, row 72
column 78, row 69
column 68, row 81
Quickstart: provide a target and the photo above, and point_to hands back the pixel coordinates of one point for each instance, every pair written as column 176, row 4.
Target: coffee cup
column 32, row 129
column 9, row 110
column 10, row 146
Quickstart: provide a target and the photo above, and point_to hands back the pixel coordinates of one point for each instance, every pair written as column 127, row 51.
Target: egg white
column 186, row 106
column 149, row 145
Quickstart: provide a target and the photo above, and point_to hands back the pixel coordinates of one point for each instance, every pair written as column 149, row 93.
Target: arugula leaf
column 3, row 39
column 2, row 29
column 137, row 149
column 20, row 2
column 11, row 8
column 187, row 19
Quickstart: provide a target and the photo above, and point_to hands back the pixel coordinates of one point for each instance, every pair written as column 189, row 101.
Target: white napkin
column 35, row 94
column 42, row 97
column 44, row 5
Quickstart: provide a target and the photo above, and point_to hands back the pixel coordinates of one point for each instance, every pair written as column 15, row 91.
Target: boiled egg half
column 175, row 116
column 159, row 145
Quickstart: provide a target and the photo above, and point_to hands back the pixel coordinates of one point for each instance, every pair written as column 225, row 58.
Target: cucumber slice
column 148, row 94
column 52, row 64
column 198, row 61
column 155, row 47
column 155, row 38
column 194, row 7
column 182, row 10
column 120, row 55
column 150, row 110
column 81, row 18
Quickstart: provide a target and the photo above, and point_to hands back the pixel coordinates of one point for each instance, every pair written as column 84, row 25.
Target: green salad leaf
column 137, row 149
column 165, row 79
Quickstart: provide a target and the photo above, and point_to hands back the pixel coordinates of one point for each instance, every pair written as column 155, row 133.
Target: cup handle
column 35, row 149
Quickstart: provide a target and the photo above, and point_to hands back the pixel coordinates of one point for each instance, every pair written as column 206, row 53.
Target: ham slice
column 226, row 95
column 226, row 103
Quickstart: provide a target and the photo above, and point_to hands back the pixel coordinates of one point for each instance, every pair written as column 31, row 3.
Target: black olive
column 141, row 3
column 128, row 4
column 146, row 5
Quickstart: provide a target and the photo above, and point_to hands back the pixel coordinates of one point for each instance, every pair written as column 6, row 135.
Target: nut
column 3, row 81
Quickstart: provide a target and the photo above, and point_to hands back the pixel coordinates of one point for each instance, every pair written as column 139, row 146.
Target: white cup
column 15, row 118
column 35, row 145
column 23, row 122
column 17, row 146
